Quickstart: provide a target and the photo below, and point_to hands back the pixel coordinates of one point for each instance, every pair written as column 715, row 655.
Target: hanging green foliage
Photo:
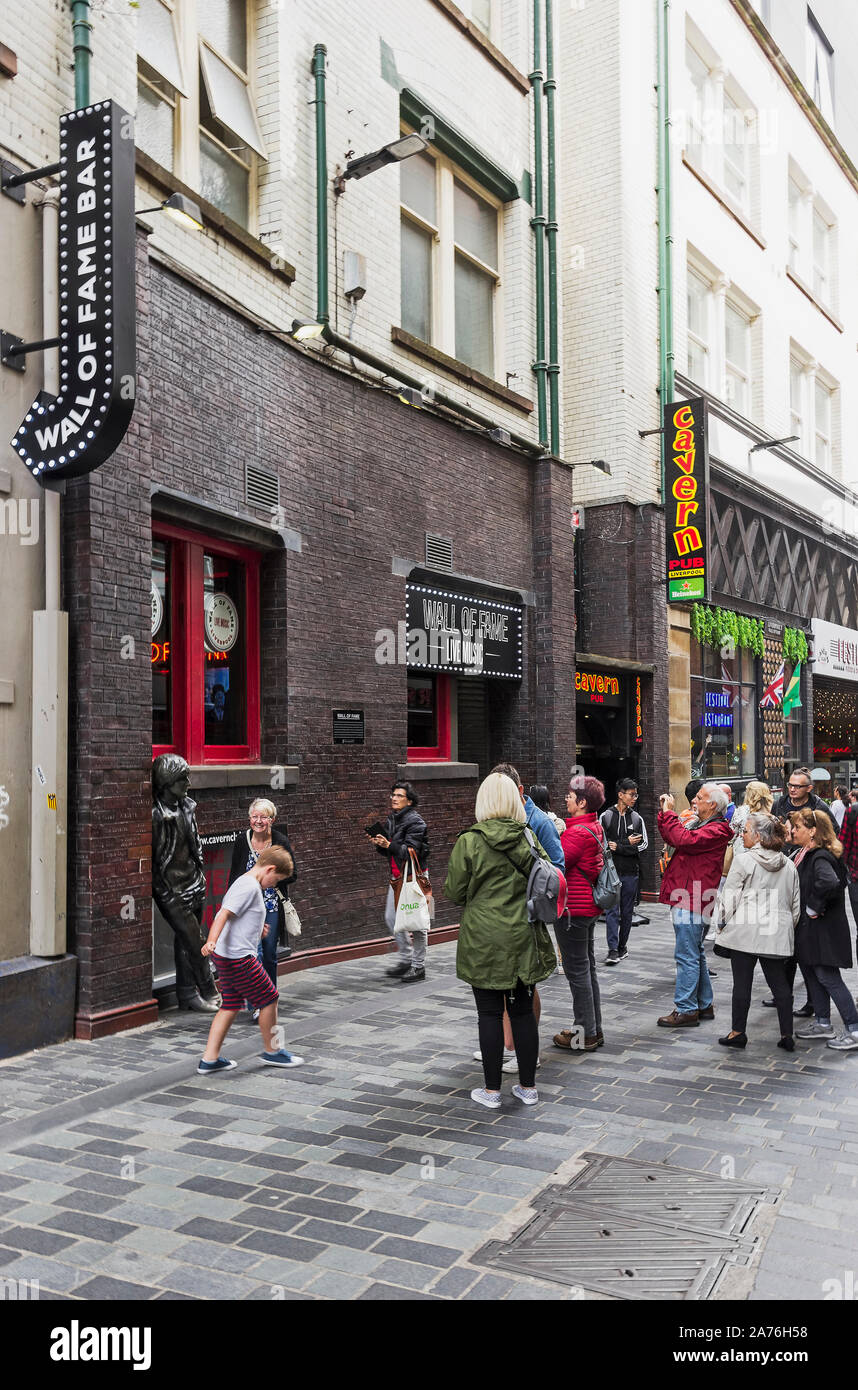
column 715, row 627
column 795, row 646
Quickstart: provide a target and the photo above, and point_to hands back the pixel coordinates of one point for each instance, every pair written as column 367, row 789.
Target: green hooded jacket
column 497, row 944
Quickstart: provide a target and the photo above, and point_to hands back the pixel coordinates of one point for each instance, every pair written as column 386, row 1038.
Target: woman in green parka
column 500, row 954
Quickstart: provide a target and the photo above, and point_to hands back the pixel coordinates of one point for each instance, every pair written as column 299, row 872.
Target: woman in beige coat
column 756, row 912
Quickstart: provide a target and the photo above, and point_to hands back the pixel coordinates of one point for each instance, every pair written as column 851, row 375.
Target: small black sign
column 75, row 431
column 349, row 726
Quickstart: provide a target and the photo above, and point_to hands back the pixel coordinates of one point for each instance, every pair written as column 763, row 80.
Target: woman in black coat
column 822, row 939
column 249, row 844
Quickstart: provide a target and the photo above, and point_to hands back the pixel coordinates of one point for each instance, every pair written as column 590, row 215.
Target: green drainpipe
column 666, row 364
column 318, row 69
column 551, row 228
column 81, row 30
column 537, row 222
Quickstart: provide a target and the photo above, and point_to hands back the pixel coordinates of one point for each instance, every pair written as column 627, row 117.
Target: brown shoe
column 600, row 1039
column 706, row 1013
column 678, row 1020
column 563, row 1039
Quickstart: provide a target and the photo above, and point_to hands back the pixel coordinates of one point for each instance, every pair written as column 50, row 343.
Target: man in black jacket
column 799, row 796
column 627, row 838
column 405, row 830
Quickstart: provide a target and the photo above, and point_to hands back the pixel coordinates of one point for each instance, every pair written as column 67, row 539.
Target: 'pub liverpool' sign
column 686, row 489
column 74, row 432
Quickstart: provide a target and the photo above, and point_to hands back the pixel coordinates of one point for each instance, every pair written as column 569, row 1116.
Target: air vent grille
column 261, row 488
column 439, row 553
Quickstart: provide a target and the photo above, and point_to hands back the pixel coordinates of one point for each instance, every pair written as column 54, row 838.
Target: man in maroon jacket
column 689, row 887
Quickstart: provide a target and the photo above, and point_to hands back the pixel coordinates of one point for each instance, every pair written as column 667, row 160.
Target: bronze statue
column 178, row 882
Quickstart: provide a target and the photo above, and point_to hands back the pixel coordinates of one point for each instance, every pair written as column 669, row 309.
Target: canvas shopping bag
column 412, row 910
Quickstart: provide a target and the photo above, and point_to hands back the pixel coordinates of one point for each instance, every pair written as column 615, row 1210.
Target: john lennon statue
column 178, row 882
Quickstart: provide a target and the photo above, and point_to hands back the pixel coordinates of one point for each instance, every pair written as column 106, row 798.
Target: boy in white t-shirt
column 236, row 932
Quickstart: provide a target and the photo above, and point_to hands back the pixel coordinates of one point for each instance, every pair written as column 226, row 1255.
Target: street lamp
column 769, row 444
column 393, row 153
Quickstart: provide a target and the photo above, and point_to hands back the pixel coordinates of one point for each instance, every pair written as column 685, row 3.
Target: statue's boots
column 198, row 1005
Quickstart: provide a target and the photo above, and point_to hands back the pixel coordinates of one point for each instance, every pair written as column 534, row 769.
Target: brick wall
column 362, row 479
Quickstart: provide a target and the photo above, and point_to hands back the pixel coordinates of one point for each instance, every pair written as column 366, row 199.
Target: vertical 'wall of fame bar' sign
column 72, row 433
column 686, row 495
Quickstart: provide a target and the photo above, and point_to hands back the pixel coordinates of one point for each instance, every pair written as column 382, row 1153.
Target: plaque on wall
column 349, row 726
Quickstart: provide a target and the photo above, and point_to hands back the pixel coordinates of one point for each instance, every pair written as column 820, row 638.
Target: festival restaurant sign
column 467, row 634
column 73, row 432
column 686, row 491
column 835, row 651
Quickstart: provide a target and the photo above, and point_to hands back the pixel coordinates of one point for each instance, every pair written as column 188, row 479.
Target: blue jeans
column 693, row 988
column 618, row 919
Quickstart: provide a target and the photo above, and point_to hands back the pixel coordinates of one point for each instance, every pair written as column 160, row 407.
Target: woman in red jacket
column 582, row 842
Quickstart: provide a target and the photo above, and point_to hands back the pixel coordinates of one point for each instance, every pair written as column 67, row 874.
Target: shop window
column 428, row 718
column 723, row 713
column 205, row 648
column 449, row 262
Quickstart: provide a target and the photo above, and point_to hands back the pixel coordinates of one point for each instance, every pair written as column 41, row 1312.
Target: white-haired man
column 689, row 887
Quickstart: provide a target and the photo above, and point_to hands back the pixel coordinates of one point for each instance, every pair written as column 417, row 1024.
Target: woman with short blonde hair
column 758, row 800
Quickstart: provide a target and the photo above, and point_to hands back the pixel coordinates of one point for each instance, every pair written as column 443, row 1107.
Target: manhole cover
column 634, row 1230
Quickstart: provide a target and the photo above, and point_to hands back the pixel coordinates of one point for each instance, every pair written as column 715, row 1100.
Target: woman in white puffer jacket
column 756, row 915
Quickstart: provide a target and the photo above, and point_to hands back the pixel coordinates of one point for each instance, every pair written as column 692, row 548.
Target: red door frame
column 186, row 636
column 441, row 752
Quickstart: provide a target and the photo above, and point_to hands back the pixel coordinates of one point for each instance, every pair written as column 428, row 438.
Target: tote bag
column 412, row 910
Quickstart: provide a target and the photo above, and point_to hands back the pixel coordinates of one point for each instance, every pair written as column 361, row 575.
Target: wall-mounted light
column 393, row 153
column 409, row 395
column 304, row 329
column 182, row 210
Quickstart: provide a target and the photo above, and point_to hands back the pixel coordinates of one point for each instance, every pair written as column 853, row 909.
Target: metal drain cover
column 634, row 1231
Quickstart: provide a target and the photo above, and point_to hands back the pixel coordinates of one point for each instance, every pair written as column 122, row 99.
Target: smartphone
column 375, row 829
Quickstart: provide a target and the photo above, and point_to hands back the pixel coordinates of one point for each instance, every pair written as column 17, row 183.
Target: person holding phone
column 405, row 830
column 627, row 839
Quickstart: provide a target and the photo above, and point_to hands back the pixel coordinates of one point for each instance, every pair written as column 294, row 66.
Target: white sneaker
column 527, row 1095
column 512, row 1064
column 490, row 1099
column 478, row 1056
column 848, row 1043
column 815, row 1030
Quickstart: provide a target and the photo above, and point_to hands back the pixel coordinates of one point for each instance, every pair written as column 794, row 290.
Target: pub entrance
column 606, row 726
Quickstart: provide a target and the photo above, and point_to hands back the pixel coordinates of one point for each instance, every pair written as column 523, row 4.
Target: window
column 449, row 263
column 796, row 400
column 479, row 12
column 821, row 257
column 699, row 293
column 735, row 151
column 205, row 648
column 428, row 717
column 723, row 713
column 698, row 76
column 795, row 195
column 737, row 358
column 821, row 425
column 220, row 162
column 820, row 69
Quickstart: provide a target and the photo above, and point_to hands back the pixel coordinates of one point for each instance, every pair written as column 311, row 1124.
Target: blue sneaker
column 281, row 1059
column 206, row 1068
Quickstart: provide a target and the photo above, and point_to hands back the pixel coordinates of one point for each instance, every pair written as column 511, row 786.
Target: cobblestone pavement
column 369, row 1173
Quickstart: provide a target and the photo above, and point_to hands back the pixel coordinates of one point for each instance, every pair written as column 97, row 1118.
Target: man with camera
column 689, row 887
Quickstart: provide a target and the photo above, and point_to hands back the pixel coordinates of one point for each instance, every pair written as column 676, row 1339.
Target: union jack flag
column 773, row 694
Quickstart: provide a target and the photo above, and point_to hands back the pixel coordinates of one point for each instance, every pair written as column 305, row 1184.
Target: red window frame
column 441, row 752
column 188, row 652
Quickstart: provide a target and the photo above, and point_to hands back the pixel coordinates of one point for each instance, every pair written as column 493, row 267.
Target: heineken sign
column 73, row 432
column 686, row 490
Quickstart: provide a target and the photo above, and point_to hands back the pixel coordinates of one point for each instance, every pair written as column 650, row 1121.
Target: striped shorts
column 243, row 979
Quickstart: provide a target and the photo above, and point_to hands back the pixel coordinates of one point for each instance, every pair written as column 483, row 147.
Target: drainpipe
column 666, row 362
column 81, row 30
column 318, row 69
column 551, row 230
column 537, row 222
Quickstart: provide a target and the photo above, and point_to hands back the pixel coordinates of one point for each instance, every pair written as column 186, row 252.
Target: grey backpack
column 546, row 885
